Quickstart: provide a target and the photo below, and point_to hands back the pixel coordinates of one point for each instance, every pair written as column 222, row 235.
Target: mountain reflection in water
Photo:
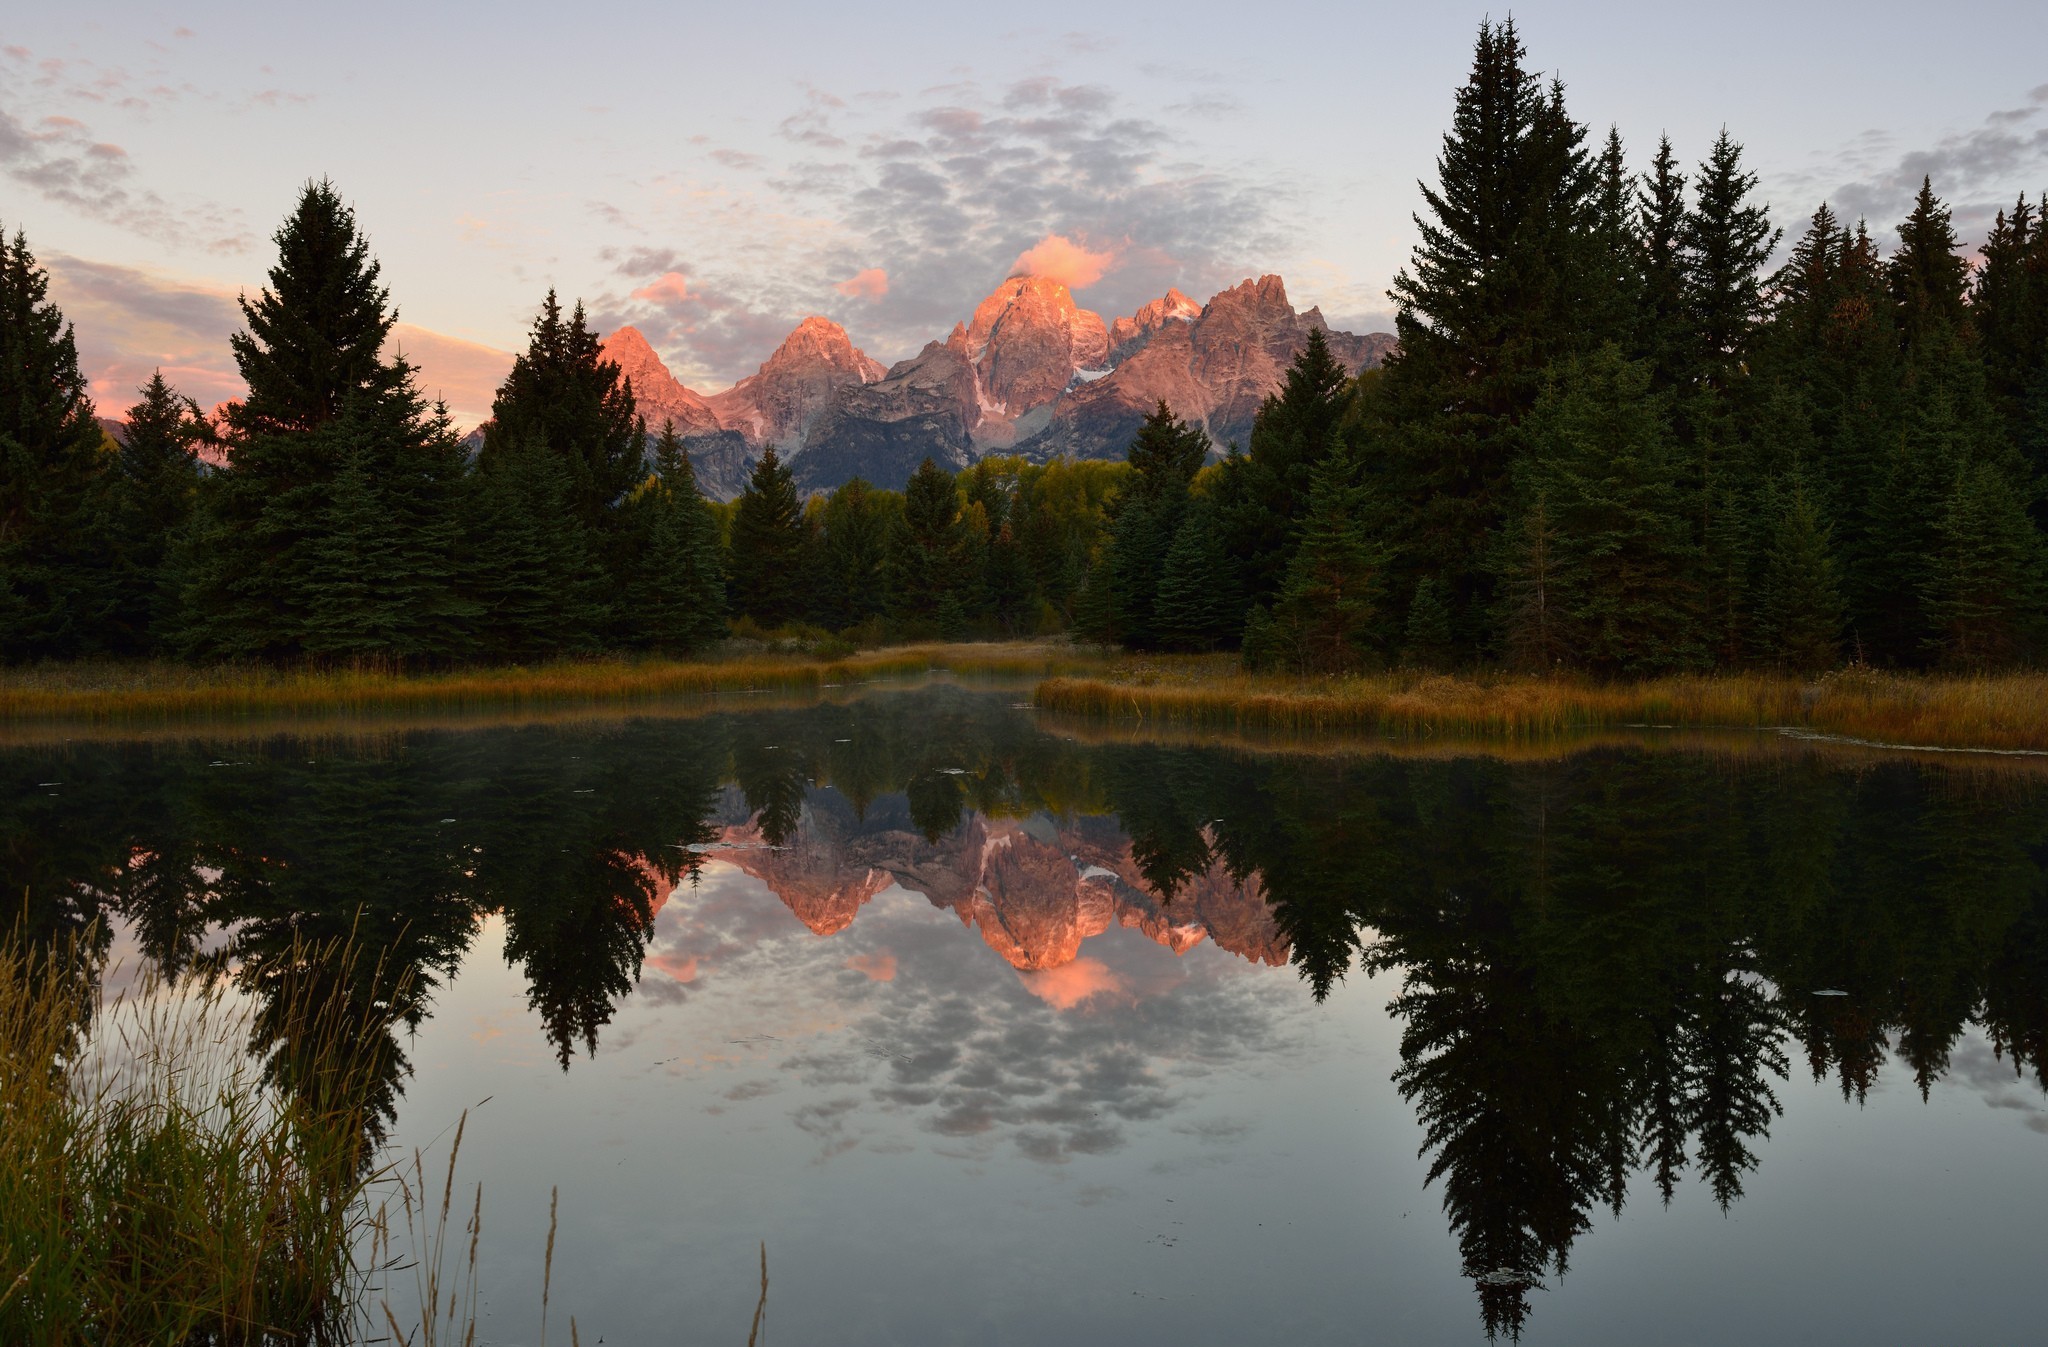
column 1607, row 961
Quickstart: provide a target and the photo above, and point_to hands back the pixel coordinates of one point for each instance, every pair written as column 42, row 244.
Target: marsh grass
column 145, row 693
column 153, row 1187
column 2003, row 712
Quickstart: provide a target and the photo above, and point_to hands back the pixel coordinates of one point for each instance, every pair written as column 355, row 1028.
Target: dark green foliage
column 928, row 556
column 56, row 575
column 1196, row 607
column 1799, row 600
column 1928, row 275
column 1534, row 625
column 1335, row 586
column 1123, row 590
column 765, row 572
column 676, row 599
column 1724, row 242
column 1986, row 604
column 1623, row 565
column 1665, row 338
column 856, row 526
column 535, row 577
column 316, row 334
column 156, row 488
column 1261, row 494
column 1427, row 639
column 563, row 392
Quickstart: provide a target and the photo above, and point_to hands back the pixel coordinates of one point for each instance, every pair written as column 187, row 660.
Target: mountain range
column 1030, row 373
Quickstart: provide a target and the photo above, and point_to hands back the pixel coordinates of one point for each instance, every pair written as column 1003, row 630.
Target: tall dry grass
column 2005, row 712
column 146, row 693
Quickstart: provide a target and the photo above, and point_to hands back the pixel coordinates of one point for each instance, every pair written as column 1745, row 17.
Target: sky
column 715, row 173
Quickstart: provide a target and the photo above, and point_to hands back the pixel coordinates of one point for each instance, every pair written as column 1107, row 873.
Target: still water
column 996, row 1030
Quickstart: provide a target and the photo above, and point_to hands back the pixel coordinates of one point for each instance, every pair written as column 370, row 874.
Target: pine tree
column 155, row 492
column 315, row 334
column 1336, row 579
column 1166, row 453
column 763, row 571
column 1533, row 624
column 56, row 577
column 563, row 390
column 1426, row 640
column 2009, row 310
column 1511, row 274
column 1985, row 592
column 258, row 559
column 856, row 528
column 1799, row 609
column 1724, row 242
column 1197, row 606
column 1624, row 562
column 536, row 582
column 1928, row 277
column 352, row 567
column 1667, row 337
column 677, row 600
column 1262, row 493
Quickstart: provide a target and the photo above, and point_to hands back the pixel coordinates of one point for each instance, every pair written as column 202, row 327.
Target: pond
column 995, row 1029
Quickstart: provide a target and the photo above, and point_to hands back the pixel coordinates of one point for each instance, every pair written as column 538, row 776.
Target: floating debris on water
column 1829, row 991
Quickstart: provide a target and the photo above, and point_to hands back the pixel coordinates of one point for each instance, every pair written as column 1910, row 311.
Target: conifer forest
column 1625, row 431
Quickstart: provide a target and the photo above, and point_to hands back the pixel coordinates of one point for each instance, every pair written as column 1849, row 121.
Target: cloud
column 879, row 966
column 870, row 283
column 1070, row 984
column 1977, row 172
column 59, row 159
column 1059, row 258
column 670, row 289
column 464, row 374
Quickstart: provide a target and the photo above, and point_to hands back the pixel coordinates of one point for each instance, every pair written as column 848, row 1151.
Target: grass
column 158, row 693
column 156, row 1188
column 2001, row 712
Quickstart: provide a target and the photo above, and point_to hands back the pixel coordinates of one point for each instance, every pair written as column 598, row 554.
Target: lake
column 996, row 1029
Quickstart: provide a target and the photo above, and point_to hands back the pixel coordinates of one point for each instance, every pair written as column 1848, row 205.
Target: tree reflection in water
column 1605, row 959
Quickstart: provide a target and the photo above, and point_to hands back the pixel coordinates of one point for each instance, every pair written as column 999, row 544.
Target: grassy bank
column 2007, row 712
column 157, row 692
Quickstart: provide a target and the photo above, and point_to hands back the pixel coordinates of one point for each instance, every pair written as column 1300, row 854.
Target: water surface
column 995, row 1035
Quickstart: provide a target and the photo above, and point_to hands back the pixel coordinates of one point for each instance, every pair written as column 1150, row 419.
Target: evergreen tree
column 1008, row 584
column 1800, row 608
column 764, row 570
column 1667, row 338
column 1197, row 606
column 1165, row 454
column 2009, row 310
column 1928, row 276
column 56, row 580
column 538, row 588
column 1509, row 276
column 315, row 335
column 1261, row 494
column 677, row 601
column 1427, row 638
column 1724, row 242
column 856, row 527
column 1336, row 579
column 156, row 489
column 1985, row 596
column 323, row 402
column 1624, row 564
column 1533, row 625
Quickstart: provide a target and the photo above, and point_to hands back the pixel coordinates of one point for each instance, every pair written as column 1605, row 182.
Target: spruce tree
column 1508, row 277
column 1928, row 276
column 1533, row 626
column 157, row 478
column 1800, row 608
column 929, row 556
column 1197, row 607
column 1666, row 337
column 856, row 528
column 1261, row 493
column 1165, row 454
column 764, row 568
column 1427, row 638
column 677, row 600
column 538, row 588
column 2009, row 310
column 1624, row 562
column 56, row 576
column 1336, row 580
column 1724, row 242
column 563, row 391
column 1985, row 595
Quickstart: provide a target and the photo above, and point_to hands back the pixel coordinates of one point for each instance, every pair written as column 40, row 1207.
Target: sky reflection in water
column 928, row 1029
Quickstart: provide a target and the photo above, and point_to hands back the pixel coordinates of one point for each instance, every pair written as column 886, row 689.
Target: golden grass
column 2003, row 712
column 157, row 693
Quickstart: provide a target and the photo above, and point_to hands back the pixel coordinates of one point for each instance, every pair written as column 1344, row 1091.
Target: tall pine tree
column 764, row 573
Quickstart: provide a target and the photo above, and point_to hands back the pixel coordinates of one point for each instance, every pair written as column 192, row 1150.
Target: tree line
column 333, row 514
column 1614, row 436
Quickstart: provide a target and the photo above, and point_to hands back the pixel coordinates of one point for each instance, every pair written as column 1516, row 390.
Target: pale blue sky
column 762, row 157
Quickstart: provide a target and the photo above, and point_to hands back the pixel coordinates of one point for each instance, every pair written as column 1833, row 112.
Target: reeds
column 2004, row 712
column 153, row 1188
column 159, row 692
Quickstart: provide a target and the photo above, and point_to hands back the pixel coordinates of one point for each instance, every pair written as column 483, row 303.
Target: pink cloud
column 879, row 966
column 671, row 290
column 1069, row 985
column 1059, row 258
column 466, row 375
column 677, row 967
column 870, row 284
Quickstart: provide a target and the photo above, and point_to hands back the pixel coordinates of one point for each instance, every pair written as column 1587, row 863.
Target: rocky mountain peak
column 778, row 403
column 1126, row 335
column 1025, row 341
column 660, row 395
